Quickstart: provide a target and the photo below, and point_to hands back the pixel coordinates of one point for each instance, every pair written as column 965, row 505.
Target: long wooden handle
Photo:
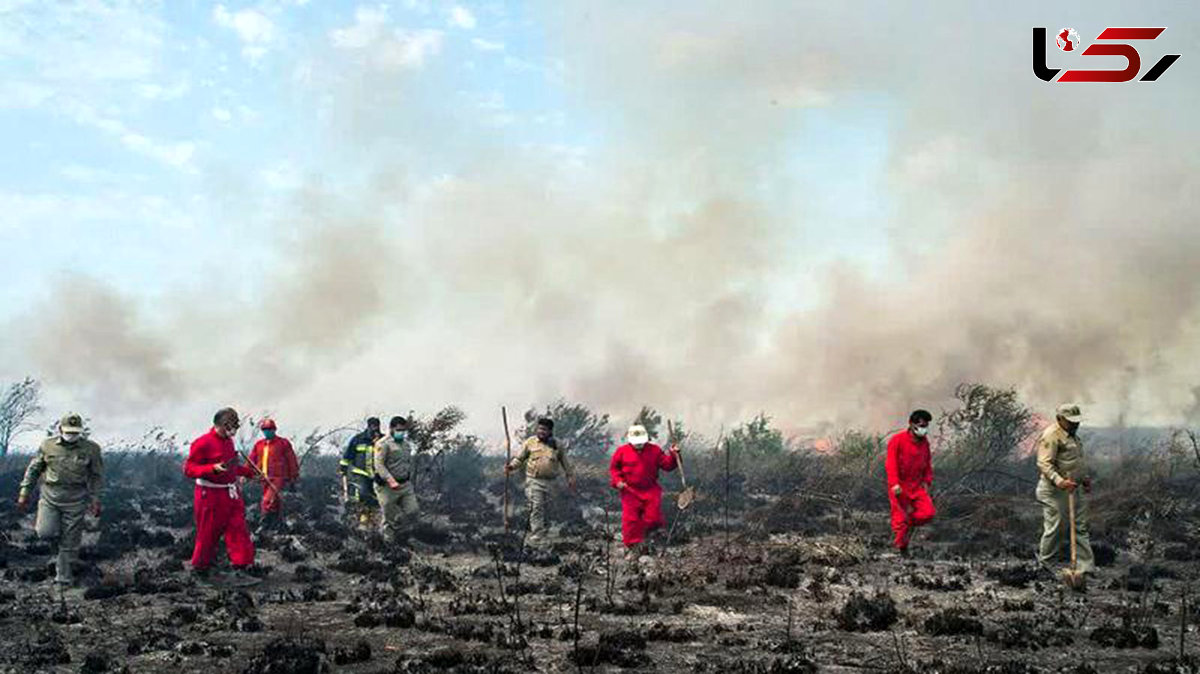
column 265, row 479
column 1071, row 515
column 507, row 460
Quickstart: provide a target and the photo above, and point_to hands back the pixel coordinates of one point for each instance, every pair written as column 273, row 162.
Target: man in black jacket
column 358, row 468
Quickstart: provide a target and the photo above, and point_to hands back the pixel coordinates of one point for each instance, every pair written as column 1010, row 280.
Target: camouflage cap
column 1070, row 412
column 71, row 423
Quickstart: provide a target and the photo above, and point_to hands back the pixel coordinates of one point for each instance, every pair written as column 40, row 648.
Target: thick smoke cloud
column 1040, row 236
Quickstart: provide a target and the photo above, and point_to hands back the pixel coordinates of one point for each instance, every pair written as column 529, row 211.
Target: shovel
column 1073, row 577
column 685, row 498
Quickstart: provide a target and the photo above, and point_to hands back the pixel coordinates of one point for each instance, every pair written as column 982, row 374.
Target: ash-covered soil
column 797, row 585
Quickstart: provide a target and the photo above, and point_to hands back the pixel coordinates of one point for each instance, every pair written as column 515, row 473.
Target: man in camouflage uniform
column 542, row 457
column 394, row 467
column 70, row 470
column 1062, row 470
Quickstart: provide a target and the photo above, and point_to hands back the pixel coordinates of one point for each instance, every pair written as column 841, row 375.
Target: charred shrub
column 290, row 655
column 1116, row 636
column 867, row 614
column 1014, row 575
column 621, row 648
column 953, row 622
column 349, row 655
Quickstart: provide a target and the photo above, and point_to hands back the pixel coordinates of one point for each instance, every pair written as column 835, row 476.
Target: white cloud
column 176, row 154
column 461, row 17
column 255, row 30
column 369, row 24
column 388, row 48
column 157, row 92
column 221, row 114
column 487, row 45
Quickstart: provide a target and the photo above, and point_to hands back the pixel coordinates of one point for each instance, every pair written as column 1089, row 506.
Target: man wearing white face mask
column 70, row 470
column 395, row 460
column 909, row 474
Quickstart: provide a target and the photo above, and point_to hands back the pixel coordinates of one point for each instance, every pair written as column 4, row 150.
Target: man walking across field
column 358, row 468
column 70, row 470
column 276, row 460
column 634, row 471
column 542, row 458
column 909, row 475
column 1062, row 470
column 220, row 512
column 395, row 460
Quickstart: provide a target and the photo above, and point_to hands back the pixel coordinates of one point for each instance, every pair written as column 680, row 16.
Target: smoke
column 1033, row 235
column 90, row 339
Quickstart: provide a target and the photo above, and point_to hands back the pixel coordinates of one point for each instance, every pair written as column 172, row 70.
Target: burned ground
column 800, row 582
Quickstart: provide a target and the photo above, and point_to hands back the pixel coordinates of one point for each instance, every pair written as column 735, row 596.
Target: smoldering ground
column 779, row 566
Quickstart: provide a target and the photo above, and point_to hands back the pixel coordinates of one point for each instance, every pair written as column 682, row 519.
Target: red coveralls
column 641, row 500
column 908, row 465
column 219, row 511
column 277, row 461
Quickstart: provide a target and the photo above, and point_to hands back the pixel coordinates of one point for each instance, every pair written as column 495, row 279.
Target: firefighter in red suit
column 634, row 471
column 909, row 474
column 219, row 510
column 276, row 461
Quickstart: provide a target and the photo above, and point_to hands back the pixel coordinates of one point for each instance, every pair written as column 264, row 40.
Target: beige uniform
column 542, row 464
column 71, row 475
column 1060, row 456
column 398, row 506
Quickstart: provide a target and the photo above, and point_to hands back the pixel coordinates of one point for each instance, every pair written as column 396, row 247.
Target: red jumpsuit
column 219, row 510
column 277, row 461
column 641, row 499
column 908, row 465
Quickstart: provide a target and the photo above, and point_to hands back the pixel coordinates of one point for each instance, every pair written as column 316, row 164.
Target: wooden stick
column 507, row 460
column 719, row 438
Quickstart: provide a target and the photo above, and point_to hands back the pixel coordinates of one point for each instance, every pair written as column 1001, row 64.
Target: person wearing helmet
column 634, row 472
column 358, row 465
column 275, row 459
column 69, row 468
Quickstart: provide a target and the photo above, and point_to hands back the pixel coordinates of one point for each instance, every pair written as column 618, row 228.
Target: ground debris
column 861, row 613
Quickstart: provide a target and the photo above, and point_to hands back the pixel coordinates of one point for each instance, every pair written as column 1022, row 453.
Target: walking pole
column 507, row 459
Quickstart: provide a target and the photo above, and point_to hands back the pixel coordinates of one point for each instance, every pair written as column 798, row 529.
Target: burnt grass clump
column 290, row 655
column 953, row 622
column 1014, row 575
column 863, row 613
column 1122, row 636
column 619, row 648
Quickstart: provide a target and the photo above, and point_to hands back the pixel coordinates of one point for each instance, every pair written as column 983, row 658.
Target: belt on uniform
column 231, row 486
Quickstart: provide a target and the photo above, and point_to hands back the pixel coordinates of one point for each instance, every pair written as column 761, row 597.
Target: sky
column 828, row 212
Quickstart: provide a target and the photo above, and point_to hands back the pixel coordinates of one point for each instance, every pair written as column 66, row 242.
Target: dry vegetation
column 778, row 567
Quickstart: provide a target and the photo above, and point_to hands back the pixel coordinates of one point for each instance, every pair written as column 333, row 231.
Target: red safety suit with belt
column 641, row 499
column 908, row 465
column 277, row 461
column 218, row 506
